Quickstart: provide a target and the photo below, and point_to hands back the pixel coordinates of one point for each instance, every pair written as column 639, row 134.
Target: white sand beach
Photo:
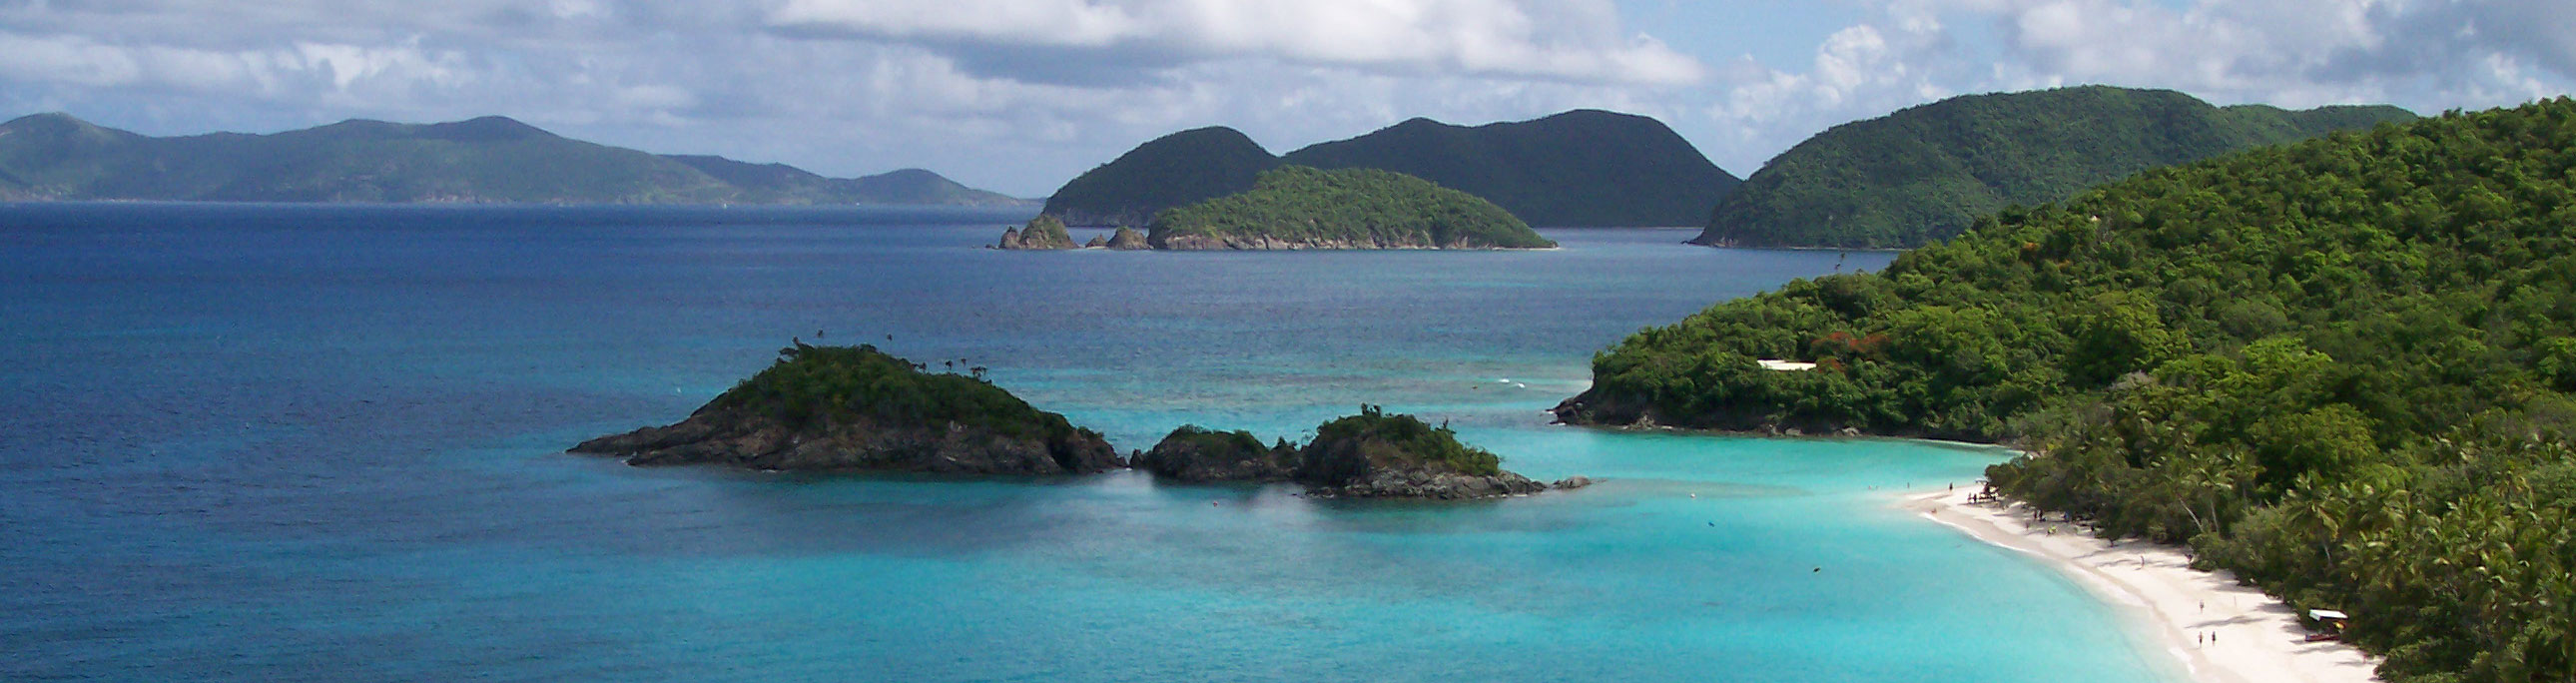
column 2222, row 632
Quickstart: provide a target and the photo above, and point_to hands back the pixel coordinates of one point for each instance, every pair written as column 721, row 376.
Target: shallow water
column 324, row 443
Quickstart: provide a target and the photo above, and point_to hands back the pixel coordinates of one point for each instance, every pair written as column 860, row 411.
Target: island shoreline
column 2218, row 630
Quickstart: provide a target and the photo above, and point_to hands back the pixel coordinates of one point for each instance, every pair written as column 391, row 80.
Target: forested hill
column 1181, row 168
column 1922, row 174
column 2341, row 368
column 1578, row 168
column 1296, row 207
column 489, row 159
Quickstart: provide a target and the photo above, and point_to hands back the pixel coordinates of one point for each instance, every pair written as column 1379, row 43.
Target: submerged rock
column 826, row 408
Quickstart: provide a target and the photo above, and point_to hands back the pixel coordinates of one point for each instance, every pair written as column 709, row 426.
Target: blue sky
column 1020, row 95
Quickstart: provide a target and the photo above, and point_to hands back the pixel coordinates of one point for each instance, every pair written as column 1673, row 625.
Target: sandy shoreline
column 2257, row 639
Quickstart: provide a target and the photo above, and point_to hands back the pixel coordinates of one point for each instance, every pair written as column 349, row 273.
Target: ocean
column 325, row 443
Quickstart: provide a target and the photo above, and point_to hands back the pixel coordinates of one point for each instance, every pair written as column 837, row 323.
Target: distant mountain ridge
column 1923, row 173
column 491, row 159
column 1578, row 168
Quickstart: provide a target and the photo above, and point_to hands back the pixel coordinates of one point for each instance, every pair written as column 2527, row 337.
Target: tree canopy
column 2340, row 367
column 1348, row 209
column 1577, row 168
column 1924, row 173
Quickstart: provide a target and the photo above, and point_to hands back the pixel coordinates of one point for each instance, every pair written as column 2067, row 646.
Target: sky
column 1021, row 95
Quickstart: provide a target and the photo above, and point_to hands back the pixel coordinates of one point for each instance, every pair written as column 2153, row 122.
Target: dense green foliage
column 1924, row 173
column 1212, row 441
column 489, row 159
column 2340, row 367
column 1349, row 448
column 1042, row 232
column 1180, row 168
column 821, row 384
column 1579, row 168
column 1362, row 208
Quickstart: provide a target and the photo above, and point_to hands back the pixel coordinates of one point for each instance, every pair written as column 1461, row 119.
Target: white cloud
column 1574, row 41
column 1022, row 94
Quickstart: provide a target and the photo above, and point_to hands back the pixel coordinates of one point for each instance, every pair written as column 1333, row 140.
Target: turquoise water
column 323, row 444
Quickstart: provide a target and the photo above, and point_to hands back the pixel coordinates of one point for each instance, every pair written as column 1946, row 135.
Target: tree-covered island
column 845, row 408
column 1368, row 455
column 1295, row 207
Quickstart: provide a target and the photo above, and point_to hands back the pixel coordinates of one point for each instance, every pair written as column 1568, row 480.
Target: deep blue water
column 293, row 443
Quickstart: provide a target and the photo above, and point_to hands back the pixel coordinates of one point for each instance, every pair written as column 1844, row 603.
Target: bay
column 275, row 442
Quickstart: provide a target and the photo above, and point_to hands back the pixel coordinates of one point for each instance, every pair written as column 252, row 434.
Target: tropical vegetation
column 1350, row 208
column 1577, row 168
column 1350, row 447
column 1180, row 168
column 1924, row 173
column 840, row 384
column 1582, row 168
column 2341, row 368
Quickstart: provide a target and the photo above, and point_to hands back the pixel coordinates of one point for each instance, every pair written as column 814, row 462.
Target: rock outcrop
column 1195, row 454
column 1128, row 239
column 823, row 408
column 1369, row 455
column 1270, row 243
column 1043, row 232
column 1432, row 484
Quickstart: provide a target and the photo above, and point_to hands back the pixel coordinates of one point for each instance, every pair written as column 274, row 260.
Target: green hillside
column 2341, row 368
column 1578, row 168
column 1922, row 174
column 1295, row 207
column 1180, row 168
column 489, row 159
column 783, row 184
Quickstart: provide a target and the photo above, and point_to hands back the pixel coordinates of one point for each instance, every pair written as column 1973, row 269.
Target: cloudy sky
column 1019, row 95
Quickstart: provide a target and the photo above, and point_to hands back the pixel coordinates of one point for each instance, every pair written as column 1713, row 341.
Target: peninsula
column 2340, row 368
column 841, row 408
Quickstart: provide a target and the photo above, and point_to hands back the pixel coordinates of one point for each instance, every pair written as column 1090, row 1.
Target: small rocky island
column 1043, row 232
column 845, row 408
column 1369, row 455
column 1298, row 207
